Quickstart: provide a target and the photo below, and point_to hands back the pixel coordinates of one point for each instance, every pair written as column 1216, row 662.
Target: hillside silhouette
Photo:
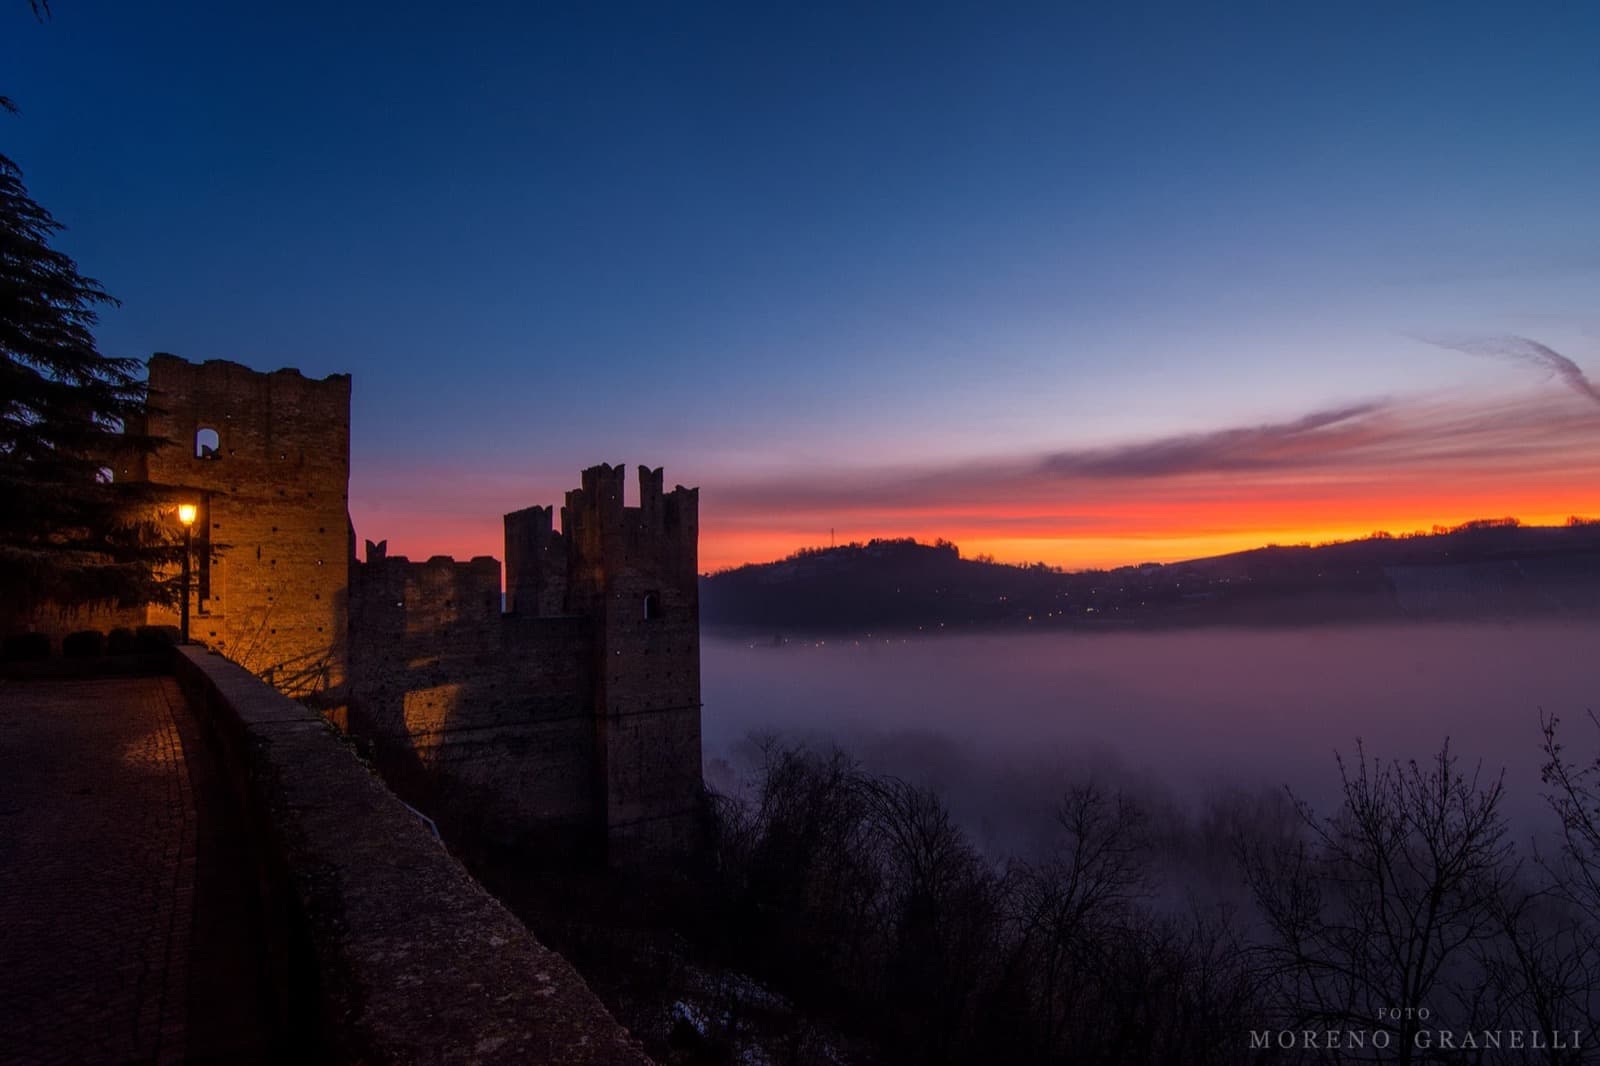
column 1482, row 569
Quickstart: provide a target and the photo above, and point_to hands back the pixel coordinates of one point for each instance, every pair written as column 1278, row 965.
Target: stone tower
column 267, row 458
column 632, row 572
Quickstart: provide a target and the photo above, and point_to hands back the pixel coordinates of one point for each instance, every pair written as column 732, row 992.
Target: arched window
column 207, row 445
column 105, row 475
column 652, row 606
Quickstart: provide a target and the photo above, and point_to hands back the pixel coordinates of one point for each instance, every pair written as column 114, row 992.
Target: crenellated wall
column 481, row 713
column 591, row 677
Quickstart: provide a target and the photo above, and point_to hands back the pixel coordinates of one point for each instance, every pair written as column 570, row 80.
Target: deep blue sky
column 744, row 240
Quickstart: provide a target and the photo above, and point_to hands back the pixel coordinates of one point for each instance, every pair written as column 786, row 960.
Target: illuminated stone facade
column 268, row 457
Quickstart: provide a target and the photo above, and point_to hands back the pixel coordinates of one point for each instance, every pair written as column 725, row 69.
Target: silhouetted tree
column 940, row 911
column 807, row 879
column 861, row 897
column 1553, row 955
column 1394, row 902
column 67, row 534
column 1067, row 906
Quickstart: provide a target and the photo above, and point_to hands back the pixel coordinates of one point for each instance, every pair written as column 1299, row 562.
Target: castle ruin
column 566, row 713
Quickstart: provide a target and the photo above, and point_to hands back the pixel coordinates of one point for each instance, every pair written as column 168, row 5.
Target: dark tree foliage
column 1404, row 913
column 67, row 534
column 862, row 898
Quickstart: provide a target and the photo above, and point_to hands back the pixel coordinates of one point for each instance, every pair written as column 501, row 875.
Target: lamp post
column 186, row 516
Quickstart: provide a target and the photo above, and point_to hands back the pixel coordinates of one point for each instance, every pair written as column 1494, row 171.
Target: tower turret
column 632, row 571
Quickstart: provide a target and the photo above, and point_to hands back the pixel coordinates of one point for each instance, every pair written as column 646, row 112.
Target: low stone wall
column 411, row 959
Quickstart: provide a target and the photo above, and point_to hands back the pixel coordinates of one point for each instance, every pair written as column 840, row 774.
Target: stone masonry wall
column 272, row 541
column 480, row 715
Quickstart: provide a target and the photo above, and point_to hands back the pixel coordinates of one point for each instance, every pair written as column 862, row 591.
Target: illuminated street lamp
column 186, row 516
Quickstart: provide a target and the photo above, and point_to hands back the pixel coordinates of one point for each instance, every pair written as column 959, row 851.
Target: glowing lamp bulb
column 186, row 513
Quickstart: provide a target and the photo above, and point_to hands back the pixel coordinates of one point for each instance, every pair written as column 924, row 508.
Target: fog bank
column 999, row 721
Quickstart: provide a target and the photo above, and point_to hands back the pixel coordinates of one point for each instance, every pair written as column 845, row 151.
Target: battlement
column 254, row 422
column 661, row 534
column 536, row 564
column 378, row 555
column 393, row 591
column 600, row 501
column 166, row 363
column 172, row 375
column 551, row 572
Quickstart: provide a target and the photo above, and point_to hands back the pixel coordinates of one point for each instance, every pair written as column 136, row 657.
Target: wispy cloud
column 1435, row 440
column 1523, row 350
column 1309, row 439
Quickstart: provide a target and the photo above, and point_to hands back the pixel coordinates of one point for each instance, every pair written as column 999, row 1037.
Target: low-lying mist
column 1199, row 725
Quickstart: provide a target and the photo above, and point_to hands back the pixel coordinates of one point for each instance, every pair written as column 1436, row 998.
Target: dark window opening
column 652, row 606
column 207, row 445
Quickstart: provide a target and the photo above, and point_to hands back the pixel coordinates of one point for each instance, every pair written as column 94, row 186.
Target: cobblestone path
column 97, row 872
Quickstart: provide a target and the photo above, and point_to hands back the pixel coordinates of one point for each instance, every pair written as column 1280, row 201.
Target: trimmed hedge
column 155, row 638
column 84, row 644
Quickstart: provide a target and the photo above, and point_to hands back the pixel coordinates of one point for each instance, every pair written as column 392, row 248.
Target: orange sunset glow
column 1401, row 465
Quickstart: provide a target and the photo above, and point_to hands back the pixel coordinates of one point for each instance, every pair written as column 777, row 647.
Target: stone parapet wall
column 413, row 961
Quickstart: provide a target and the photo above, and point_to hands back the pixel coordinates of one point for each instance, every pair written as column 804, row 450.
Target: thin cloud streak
column 1523, row 350
column 1293, row 444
